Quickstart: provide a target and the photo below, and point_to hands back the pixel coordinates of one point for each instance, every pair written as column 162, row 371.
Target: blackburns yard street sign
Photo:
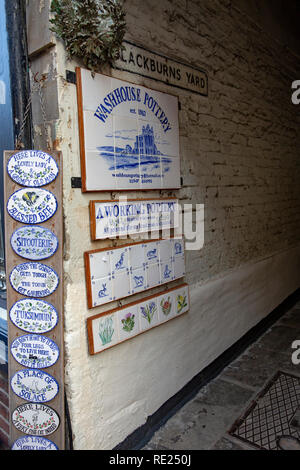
column 149, row 64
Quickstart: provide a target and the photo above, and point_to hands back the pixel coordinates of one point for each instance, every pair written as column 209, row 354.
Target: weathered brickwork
column 239, row 146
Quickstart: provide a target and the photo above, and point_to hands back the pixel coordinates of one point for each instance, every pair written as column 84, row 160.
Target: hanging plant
column 93, row 30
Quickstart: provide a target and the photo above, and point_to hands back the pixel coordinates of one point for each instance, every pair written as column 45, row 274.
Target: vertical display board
column 129, row 135
column 34, row 247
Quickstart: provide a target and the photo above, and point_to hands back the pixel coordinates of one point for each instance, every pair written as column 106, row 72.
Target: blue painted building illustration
column 143, row 152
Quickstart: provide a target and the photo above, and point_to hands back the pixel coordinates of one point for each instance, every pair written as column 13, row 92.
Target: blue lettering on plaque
column 34, row 242
column 34, row 315
column 35, row 351
column 32, row 206
column 34, row 385
column 34, row 279
column 32, row 168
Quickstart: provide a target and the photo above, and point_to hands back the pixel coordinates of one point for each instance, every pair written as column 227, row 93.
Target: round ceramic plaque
column 32, row 206
column 33, row 443
column 32, row 168
column 34, row 242
column 36, row 419
column 34, row 316
column 34, row 351
column 34, row 279
column 34, row 385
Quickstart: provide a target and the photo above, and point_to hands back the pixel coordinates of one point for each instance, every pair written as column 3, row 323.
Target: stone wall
column 239, row 157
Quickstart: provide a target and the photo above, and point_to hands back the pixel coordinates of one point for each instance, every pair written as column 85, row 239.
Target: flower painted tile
column 100, row 264
column 121, row 285
column 119, row 260
column 138, row 281
column 181, row 301
column 128, row 322
column 102, row 291
column 179, row 266
column 153, row 275
column 105, row 332
column 166, row 306
column 148, row 314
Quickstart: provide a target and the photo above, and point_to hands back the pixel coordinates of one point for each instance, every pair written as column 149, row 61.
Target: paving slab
column 257, row 365
column 204, row 420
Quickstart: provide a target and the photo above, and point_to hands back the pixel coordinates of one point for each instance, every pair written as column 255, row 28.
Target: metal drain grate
column 272, row 414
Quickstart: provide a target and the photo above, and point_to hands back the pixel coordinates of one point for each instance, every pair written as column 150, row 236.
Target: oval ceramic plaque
column 32, row 168
column 33, row 443
column 34, row 351
column 34, row 316
column 36, row 419
column 34, row 242
column 34, row 279
column 32, row 206
column 34, row 385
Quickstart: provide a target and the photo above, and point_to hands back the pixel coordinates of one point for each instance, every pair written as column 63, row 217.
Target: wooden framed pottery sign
column 129, row 135
column 128, row 217
column 115, row 273
column 34, row 265
column 110, row 328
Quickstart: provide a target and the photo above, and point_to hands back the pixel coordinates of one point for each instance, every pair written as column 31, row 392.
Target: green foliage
column 93, row 30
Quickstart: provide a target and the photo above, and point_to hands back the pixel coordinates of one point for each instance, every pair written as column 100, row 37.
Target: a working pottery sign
column 33, row 316
column 34, row 385
column 33, row 443
column 32, row 206
column 35, row 351
column 136, row 59
column 34, row 279
column 36, row 419
column 32, row 168
column 129, row 135
column 34, row 242
column 121, row 324
column 113, row 219
column 120, row 272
